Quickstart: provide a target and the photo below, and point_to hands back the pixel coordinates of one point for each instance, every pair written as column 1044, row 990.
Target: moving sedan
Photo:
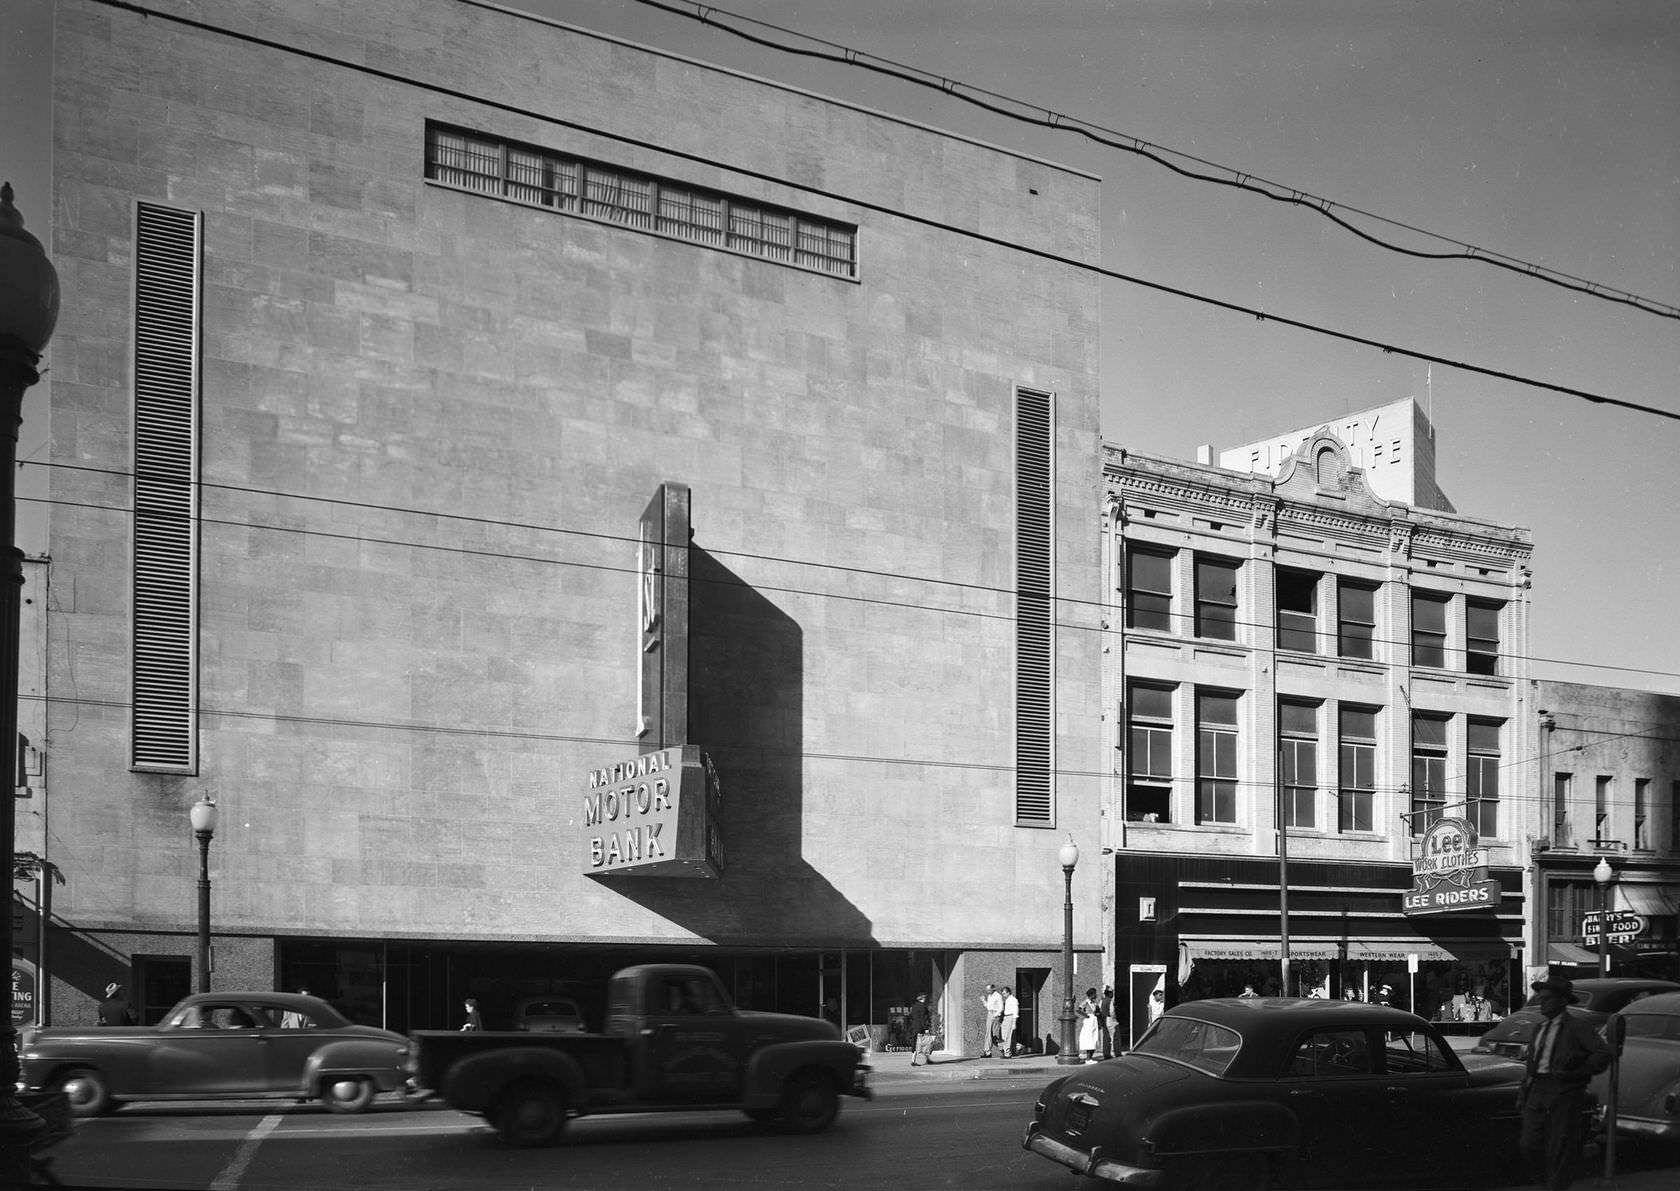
column 1240, row 1093
column 220, row 1045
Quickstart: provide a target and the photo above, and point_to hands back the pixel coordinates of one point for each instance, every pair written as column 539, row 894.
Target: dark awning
column 1652, row 901
column 1570, row 953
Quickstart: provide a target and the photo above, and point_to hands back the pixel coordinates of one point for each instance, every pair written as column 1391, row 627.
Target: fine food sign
column 1450, row 872
column 1624, row 927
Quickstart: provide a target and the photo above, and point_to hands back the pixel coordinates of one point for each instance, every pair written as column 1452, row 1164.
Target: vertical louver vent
column 163, row 732
column 1035, row 583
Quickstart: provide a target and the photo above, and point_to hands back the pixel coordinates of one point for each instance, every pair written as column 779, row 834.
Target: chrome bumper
column 1648, row 1128
column 1093, row 1164
column 860, row 1083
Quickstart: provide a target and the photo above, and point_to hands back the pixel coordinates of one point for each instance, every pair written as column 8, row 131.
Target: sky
column 1545, row 132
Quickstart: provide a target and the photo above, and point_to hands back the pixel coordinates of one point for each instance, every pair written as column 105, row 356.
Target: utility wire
column 712, row 163
column 1030, row 113
column 599, row 536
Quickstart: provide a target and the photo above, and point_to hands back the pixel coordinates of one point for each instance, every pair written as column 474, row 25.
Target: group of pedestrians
column 1003, row 1013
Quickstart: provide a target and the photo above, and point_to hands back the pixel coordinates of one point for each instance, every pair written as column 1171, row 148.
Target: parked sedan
column 1648, row 1080
column 1242, row 1092
column 550, row 1015
column 220, row 1045
column 1596, row 998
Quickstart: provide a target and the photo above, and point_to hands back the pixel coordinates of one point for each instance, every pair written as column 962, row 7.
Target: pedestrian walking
column 1105, row 1022
column 1565, row 1054
column 993, row 1001
column 474, row 1021
column 1006, row 1027
column 1089, row 1039
column 114, row 1010
column 921, row 1031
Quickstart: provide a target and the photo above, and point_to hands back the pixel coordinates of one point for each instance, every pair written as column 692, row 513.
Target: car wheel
column 531, row 1113
column 1220, row 1172
column 348, row 1093
column 87, row 1091
column 809, row 1103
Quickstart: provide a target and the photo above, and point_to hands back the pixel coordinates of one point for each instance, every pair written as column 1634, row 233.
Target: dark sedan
column 1596, row 998
column 221, row 1045
column 1241, row 1092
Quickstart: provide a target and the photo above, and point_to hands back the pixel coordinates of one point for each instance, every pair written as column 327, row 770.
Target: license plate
column 1080, row 1108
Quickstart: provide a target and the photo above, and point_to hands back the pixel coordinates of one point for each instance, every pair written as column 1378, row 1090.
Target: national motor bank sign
column 656, row 814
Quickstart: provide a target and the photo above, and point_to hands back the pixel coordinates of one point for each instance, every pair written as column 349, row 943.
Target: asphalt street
column 956, row 1124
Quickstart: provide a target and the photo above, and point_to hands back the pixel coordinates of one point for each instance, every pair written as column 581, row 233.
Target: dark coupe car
column 1596, row 998
column 1227, row 1094
column 221, row 1045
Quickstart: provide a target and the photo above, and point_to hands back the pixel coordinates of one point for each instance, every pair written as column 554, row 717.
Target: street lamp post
column 203, row 815
column 28, row 314
column 1069, row 856
column 1603, row 876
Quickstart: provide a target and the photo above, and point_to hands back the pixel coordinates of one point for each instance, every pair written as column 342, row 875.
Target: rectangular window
column 1429, row 769
column 168, row 252
column 1641, row 812
column 1216, row 758
column 1149, row 764
column 1481, row 641
column 1482, row 777
column 1298, row 762
column 1561, row 783
column 1149, row 589
column 1359, row 769
column 1035, row 601
column 1429, row 629
column 1356, row 619
column 1216, row 599
column 595, row 190
column 1601, row 808
column 1297, row 610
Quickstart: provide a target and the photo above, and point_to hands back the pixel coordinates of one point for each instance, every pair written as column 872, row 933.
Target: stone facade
column 430, row 421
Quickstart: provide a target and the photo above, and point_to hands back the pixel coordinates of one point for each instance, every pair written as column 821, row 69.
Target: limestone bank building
column 568, row 505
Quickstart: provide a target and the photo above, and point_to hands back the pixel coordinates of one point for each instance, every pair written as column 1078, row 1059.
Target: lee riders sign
column 1450, row 872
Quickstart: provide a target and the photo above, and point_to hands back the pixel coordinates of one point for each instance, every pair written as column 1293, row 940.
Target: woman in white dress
column 1090, row 1036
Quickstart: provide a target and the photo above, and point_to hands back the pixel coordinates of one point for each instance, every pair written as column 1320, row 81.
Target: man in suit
column 1565, row 1054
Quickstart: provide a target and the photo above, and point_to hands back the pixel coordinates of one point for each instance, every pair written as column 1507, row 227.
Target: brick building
column 450, row 407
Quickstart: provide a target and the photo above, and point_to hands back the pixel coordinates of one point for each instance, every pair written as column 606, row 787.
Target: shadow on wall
column 746, row 708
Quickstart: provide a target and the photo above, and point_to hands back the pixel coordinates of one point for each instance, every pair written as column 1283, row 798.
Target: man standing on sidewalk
column 1011, row 1013
column 1566, row 1052
column 993, row 1001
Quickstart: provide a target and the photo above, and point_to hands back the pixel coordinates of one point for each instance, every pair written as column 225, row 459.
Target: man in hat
column 1565, row 1054
column 921, row 1031
column 114, row 1010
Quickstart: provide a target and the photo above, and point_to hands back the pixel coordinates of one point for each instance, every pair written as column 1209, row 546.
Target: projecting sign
column 1625, row 927
column 656, row 814
column 1450, row 872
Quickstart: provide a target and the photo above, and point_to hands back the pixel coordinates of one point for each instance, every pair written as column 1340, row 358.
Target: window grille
column 1359, row 769
column 1216, row 758
column 1429, row 770
column 1035, row 581
column 164, row 574
column 1482, row 793
column 1298, row 763
column 1149, row 761
column 609, row 194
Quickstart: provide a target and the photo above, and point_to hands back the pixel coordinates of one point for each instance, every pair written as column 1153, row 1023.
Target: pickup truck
column 672, row 1041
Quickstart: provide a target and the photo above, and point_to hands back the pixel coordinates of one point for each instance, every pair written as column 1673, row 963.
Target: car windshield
column 1201, row 1044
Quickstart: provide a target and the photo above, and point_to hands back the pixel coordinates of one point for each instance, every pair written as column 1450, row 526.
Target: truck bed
column 604, row 1058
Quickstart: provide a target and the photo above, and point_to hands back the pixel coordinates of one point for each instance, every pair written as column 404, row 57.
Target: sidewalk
column 894, row 1066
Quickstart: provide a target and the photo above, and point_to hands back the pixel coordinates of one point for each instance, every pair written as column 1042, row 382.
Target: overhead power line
column 1030, row 113
column 711, row 162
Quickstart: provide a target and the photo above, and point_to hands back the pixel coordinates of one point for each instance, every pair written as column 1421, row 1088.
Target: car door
column 693, row 1044
column 1450, row 1129
column 1335, row 1088
column 212, row 1048
column 288, row 1041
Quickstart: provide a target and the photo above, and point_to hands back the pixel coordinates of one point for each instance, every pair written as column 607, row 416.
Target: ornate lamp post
column 28, row 314
column 1603, row 876
column 1069, row 856
column 203, row 815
